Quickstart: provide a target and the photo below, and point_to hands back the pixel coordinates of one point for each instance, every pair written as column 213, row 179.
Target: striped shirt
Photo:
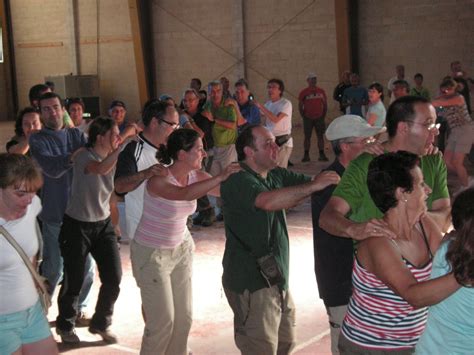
column 377, row 318
column 163, row 222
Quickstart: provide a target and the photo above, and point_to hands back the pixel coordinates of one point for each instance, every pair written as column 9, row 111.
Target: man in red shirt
column 313, row 107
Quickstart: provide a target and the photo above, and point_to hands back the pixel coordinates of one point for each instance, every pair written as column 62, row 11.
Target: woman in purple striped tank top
column 162, row 249
column 391, row 287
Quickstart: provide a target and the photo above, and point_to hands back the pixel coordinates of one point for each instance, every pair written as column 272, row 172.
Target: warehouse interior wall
column 208, row 39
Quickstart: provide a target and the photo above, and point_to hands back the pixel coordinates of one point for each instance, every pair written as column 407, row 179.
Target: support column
column 343, row 39
column 134, row 8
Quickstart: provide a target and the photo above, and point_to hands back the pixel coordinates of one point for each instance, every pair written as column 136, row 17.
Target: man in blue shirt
column 355, row 98
column 249, row 111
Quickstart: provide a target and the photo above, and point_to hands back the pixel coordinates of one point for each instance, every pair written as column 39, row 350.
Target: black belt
column 280, row 140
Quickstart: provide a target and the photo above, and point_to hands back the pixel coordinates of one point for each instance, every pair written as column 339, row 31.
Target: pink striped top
column 377, row 318
column 163, row 222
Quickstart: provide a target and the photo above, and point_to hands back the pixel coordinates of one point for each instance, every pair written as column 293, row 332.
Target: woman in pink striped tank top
column 162, row 249
column 391, row 288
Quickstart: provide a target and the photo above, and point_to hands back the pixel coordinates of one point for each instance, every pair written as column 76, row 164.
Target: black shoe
column 208, row 217
column 197, row 221
column 220, row 217
column 305, row 158
column 68, row 336
column 290, row 163
column 106, row 335
column 323, row 157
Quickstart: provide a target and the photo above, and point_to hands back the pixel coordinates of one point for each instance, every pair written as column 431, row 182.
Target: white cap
column 311, row 75
column 347, row 126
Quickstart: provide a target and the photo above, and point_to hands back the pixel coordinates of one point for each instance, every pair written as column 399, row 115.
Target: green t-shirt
column 353, row 185
column 423, row 92
column 222, row 136
column 253, row 227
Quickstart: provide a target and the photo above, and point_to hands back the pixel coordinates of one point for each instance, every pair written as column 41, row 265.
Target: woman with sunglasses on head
column 162, row 249
column 461, row 136
column 24, row 328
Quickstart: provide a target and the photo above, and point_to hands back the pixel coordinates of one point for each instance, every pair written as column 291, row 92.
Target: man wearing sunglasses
column 411, row 127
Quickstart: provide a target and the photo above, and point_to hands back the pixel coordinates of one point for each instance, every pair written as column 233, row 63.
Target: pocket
column 140, row 257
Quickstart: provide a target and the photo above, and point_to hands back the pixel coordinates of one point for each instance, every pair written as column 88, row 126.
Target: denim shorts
column 23, row 327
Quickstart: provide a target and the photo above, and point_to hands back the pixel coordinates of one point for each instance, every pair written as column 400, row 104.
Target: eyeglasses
column 428, row 126
column 172, row 124
column 368, row 140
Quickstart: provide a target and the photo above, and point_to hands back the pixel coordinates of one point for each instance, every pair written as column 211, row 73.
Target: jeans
column 52, row 265
column 77, row 240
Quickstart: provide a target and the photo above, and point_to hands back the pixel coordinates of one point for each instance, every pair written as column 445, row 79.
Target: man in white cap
column 313, row 106
column 333, row 256
column 411, row 126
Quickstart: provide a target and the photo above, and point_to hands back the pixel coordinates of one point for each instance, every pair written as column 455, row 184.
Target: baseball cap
column 164, row 97
column 311, row 75
column 117, row 103
column 351, row 126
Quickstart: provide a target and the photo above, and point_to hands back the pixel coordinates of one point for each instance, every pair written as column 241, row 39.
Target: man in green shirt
column 411, row 126
column 419, row 89
column 225, row 115
column 254, row 201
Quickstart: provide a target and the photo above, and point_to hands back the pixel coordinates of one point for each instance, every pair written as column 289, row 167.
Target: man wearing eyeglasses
column 137, row 162
column 411, row 127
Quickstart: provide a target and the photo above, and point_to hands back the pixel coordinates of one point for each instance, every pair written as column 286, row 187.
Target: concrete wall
column 259, row 39
column 208, row 39
column 424, row 35
column 45, row 45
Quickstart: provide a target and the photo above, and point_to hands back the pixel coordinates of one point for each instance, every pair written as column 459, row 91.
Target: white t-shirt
column 17, row 289
column 145, row 156
column 390, row 86
column 283, row 126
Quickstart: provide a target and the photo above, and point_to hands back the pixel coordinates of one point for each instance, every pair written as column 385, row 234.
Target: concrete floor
column 212, row 331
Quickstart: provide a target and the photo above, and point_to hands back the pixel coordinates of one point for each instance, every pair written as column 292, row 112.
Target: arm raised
column 287, row 197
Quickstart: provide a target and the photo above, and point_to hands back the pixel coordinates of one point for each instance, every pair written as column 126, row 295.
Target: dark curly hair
column 181, row 139
column 19, row 120
column 386, row 173
column 460, row 254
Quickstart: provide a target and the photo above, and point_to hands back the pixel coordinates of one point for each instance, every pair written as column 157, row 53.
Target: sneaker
column 68, row 336
column 107, row 335
column 82, row 320
column 220, row 217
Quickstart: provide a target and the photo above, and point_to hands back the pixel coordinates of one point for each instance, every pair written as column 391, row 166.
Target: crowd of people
column 392, row 278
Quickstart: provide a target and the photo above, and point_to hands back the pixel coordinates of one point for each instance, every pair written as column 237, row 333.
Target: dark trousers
column 76, row 240
column 319, row 125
